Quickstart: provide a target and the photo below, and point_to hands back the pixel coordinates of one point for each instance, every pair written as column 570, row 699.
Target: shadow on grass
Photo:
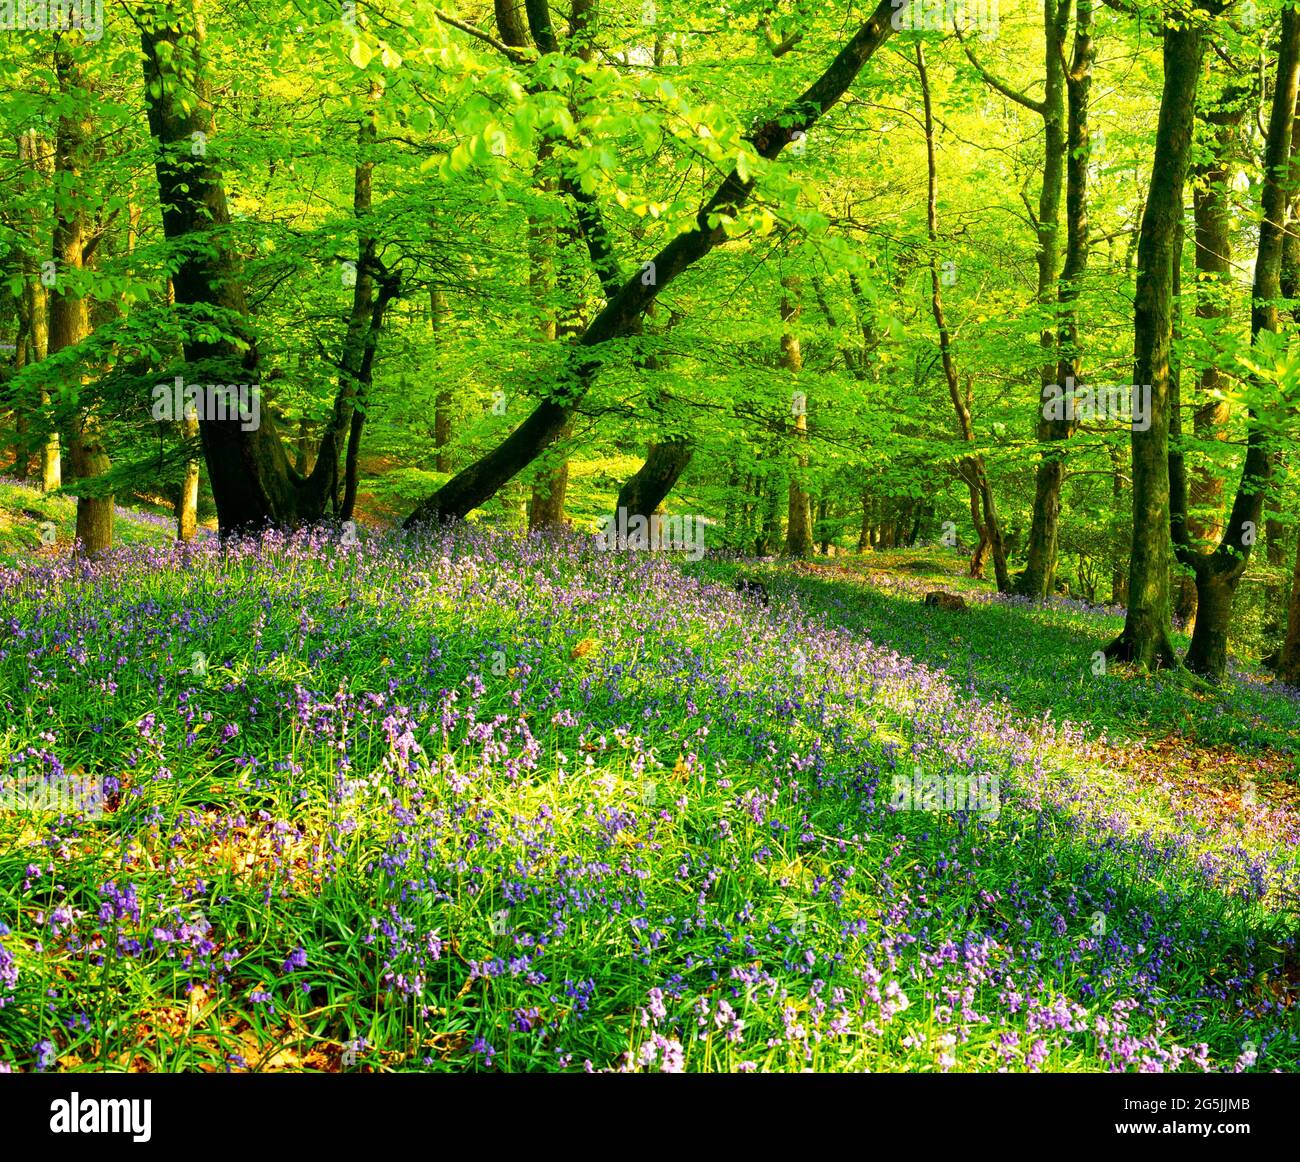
column 1044, row 658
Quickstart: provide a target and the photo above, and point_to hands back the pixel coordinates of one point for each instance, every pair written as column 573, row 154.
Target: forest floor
column 483, row 802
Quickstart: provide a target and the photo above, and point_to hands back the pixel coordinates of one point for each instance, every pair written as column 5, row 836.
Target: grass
column 476, row 802
column 26, row 515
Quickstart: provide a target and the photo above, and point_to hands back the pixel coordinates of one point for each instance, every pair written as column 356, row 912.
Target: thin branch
column 515, row 55
column 1039, row 107
column 779, row 48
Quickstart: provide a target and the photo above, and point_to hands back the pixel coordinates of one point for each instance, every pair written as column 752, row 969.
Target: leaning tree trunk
column 473, row 485
column 643, row 492
column 1145, row 637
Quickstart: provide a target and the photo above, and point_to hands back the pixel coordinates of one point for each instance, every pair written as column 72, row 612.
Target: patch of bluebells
column 471, row 840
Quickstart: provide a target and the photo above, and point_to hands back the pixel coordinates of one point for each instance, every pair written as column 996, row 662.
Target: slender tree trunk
column 1118, row 579
column 69, row 317
column 550, row 486
column 1212, row 208
column 798, row 529
column 445, row 399
column 1275, row 598
column 1145, row 637
column 1040, row 571
column 1288, row 667
column 33, row 152
column 972, row 467
column 328, row 484
column 187, row 507
column 1218, row 573
column 1036, row 580
column 772, row 486
column 187, row 499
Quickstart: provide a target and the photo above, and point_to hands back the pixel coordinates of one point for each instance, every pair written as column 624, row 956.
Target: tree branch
column 515, row 55
column 1039, row 107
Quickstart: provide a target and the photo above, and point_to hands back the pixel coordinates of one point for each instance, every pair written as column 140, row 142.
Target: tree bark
column 666, row 460
column 251, row 477
column 476, row 483
column 187, row 505
column 253, row 483
column 1145, row 638
column 1212, row 209
column 32, row 152
column 987, row 527
column 798, row 527
column 1218, row 573
column 1040, row 570
column 444, row 400
column 69, row 317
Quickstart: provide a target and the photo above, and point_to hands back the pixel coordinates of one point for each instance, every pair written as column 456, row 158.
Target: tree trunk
column 1218, row 573
column 1036, row 580
column 798, row 527
column 1288, row 667
column 1212, row 208
column 769, row 534
column 187, row 507
column 972, row 466
column 253, row 483
column 251, row 477
column 547, row 508
column 1145, row 637
column 1040, row 570
column 442, row 404
column 32, row 152
column 1118, row 581
column 644, row 492
column 476, row 483
column 69, row 318
column 1274, row 624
